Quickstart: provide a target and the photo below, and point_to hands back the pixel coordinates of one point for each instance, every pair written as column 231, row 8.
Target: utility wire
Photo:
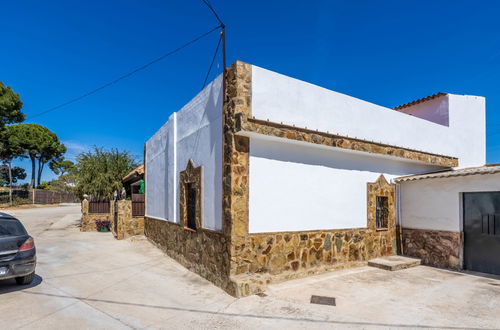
column 212, row 63
column 222, row 36
column 142, row 67
column 213, row 11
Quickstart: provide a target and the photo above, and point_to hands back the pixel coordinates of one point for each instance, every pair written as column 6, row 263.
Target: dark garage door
column 482, row 232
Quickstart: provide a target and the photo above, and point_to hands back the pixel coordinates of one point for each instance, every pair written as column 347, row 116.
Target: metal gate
column 482, row 231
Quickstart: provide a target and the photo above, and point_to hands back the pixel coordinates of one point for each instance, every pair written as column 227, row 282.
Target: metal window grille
column 382, row 215
column 191, row 205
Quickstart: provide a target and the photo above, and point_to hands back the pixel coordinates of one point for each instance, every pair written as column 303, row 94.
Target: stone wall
column 203, row 251
column 128, row 225
column 436, row 248
column 281, row 256
column 235, row 162
column 89, row 219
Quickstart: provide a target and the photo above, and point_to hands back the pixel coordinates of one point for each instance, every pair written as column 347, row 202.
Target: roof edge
column 421, row 100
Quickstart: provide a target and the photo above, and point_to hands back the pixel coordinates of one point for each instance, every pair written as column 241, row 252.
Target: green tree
column 62, row 167
column 10, row 112
column 10, row 175
column 99, row 172
column 10, row 148
column 45, row 185
column 51, row 151
column 10, row 106
column 64, row 183
column 37, row 143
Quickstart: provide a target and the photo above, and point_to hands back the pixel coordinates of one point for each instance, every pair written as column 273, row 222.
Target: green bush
column 21, row 201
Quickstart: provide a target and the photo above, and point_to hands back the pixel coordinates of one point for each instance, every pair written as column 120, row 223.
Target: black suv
column 17, row 251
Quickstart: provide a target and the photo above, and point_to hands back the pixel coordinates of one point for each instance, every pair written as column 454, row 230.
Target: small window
column 382, row 215
column 191, row 205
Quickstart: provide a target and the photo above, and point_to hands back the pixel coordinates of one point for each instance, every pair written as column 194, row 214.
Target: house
column 133, row 182
column 274, row 178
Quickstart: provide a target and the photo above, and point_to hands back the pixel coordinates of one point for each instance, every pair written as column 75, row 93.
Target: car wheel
column 25, row 280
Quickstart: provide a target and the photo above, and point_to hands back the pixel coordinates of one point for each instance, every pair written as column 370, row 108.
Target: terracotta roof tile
column 486, row 169
column 139, row 170
column 424, row 99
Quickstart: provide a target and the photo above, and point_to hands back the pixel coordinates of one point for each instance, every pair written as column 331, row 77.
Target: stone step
column 394, row 262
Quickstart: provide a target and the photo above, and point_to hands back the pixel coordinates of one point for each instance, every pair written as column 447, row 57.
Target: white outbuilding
column 451, row 218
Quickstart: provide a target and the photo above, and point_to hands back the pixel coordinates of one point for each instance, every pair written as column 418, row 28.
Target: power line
column 212, row 63
column 214, row 12
column 142, row 67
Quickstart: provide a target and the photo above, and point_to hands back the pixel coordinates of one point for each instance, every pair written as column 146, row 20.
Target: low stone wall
column 128, row 225
column 276, row 257
column 89, row 219
column 204, row 252
column 436, row 248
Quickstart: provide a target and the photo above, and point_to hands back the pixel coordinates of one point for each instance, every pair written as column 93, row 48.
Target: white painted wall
column 435, row 110
column 194, row 132
column 283, row 99
column 298, row 186
column 160, row 157
column 435, row 204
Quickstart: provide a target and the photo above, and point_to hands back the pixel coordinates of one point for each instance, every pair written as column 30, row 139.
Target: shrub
column 102, row 223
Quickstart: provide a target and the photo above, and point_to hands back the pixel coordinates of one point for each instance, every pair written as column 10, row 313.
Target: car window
column 11, row 228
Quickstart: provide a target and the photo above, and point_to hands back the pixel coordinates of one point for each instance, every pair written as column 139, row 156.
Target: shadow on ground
column 10, row 285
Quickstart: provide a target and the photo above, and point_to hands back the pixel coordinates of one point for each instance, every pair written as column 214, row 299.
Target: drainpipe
column 398, row 216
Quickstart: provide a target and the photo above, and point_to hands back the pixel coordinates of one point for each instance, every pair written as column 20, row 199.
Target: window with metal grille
column 191, row 205
column 382, row 215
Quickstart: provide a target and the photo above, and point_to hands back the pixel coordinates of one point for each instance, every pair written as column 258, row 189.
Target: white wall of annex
column 435, row 110
column 199, row 137
column 283, row 99
column 297, row 186
column 435, row 204
column 194, row 132
column 159, row 158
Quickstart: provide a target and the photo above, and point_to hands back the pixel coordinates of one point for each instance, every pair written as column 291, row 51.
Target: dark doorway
column 482, row 232
column 191, row 205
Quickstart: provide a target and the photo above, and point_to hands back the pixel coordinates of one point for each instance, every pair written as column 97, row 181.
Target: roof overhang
column 249, row 126
column 482, row 170
column 134, row 175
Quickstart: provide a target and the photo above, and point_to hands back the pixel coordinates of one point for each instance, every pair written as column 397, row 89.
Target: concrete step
column 394, row 262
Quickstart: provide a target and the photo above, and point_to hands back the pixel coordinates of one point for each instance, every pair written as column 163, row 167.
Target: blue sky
column 386, row 52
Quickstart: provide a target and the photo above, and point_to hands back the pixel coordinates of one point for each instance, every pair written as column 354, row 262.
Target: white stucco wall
column 298, row 186
column 435, row 204
column 435, row 110
column 283, row 99
column 160, row 159
column 194, row 132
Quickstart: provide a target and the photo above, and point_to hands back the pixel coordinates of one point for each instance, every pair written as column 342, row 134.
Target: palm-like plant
column 99, row 172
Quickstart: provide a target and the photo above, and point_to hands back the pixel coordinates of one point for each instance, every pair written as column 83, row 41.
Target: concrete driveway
column 92, row 281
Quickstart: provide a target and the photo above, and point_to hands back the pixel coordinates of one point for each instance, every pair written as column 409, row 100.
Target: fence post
column 33, row 193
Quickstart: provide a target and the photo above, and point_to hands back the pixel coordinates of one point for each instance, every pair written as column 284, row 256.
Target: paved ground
column 90, row 281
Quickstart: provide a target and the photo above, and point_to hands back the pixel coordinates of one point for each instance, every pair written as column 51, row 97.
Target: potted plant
column 102, row 225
